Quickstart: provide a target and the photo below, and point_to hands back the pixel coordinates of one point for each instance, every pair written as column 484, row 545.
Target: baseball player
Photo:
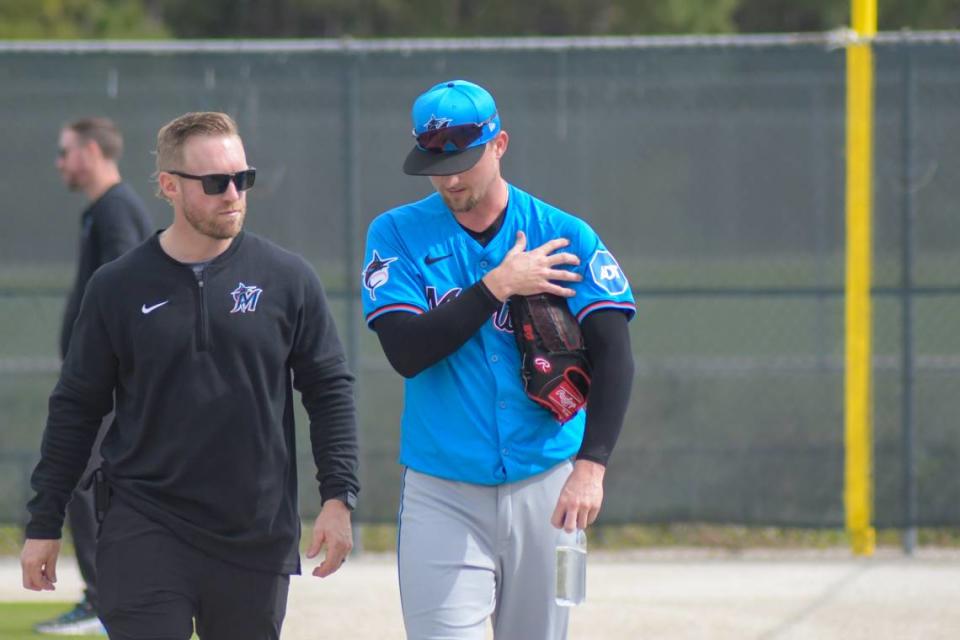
column 201, row 333
column 115, row 221
column 492, row 480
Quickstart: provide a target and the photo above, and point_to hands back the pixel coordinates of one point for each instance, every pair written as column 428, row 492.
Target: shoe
column 79, row 621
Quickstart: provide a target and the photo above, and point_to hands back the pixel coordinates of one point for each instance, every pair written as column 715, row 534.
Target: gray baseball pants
column 470, row 552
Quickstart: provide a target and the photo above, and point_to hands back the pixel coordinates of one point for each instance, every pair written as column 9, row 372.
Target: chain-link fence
column 712, row 167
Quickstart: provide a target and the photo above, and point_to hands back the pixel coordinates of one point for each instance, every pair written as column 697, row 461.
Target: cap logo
column 436, row 123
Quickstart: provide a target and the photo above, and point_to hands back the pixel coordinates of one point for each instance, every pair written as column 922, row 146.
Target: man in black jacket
column 202, row 332
column 116, row 219
column 114, row 222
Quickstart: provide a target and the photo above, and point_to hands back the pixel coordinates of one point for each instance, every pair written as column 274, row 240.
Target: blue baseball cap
column 452, row 122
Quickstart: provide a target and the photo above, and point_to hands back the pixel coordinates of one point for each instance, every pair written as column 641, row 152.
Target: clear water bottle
column 572, row 571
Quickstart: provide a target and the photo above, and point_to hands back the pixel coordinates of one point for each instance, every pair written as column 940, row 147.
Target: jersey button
column 484, row 263
column 505, row 452
column 503, row 404
column 494, row 358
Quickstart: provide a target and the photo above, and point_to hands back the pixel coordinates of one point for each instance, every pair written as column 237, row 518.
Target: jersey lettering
column 433, row 302
column 502, row 320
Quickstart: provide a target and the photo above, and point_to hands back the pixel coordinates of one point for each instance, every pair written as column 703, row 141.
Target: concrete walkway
column 672, row 594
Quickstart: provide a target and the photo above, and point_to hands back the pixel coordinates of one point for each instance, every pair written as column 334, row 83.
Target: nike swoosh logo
column 430, row 259
column 145, row 309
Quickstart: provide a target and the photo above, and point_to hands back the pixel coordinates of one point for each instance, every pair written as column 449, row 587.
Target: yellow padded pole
column 858, row 383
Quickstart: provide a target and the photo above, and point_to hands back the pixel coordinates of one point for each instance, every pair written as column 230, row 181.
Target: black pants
column 153, row 585
column 83, row 521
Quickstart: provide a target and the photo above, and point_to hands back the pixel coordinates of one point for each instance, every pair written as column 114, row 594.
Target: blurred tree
column 919, row 14
column 776, row 16
column 77, row 19
column 447, row 18
column 459, row 18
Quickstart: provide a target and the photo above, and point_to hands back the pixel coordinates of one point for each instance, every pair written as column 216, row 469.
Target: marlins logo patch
column 607, row 274
column 376, row 273
column 436, row 123
column 245, row 298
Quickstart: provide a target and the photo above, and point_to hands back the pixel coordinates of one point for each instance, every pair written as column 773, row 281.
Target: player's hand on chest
column 446, row 271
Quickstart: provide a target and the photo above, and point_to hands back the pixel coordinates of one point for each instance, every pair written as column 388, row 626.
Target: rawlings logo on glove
column 554, row 364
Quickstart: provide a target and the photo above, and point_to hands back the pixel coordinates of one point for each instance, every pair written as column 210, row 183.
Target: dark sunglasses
column 216, row 183
column 461, row 136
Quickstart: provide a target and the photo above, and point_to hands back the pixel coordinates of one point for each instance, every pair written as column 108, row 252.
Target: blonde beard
column 471, row 202
column 466, row 207
column 214, row 228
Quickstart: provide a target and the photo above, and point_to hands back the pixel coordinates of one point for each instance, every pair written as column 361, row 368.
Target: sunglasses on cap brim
column 460, row 136
column 217, row 183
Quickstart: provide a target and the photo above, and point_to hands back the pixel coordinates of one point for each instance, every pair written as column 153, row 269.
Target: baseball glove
column 554, row 364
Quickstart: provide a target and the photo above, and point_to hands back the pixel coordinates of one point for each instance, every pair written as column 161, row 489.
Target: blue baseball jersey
column 467, row 418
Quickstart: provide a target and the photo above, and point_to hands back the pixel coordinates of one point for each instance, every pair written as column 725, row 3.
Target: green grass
column 380, row 538
column 11, row 539
column 17, row 619
column 383, row 538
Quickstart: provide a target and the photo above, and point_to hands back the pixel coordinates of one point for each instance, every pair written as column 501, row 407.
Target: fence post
column 350, row 215
column 906, row 301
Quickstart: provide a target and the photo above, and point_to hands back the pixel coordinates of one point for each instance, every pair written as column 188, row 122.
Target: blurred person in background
column 115, row 221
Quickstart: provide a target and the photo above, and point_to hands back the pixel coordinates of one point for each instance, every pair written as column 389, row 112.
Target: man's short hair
column 103, row 131
column 173, row 135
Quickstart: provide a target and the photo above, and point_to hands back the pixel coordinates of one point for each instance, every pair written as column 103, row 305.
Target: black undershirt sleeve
column 413, row 343
column 607, row 339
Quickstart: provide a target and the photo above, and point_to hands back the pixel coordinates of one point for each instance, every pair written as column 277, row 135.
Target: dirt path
column 659, row 595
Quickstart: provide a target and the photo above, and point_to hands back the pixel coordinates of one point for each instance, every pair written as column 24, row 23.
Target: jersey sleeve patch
column 376, row 273
column 606, row 273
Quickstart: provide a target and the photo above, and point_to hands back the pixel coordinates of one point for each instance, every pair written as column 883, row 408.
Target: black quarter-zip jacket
column 203, row 370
